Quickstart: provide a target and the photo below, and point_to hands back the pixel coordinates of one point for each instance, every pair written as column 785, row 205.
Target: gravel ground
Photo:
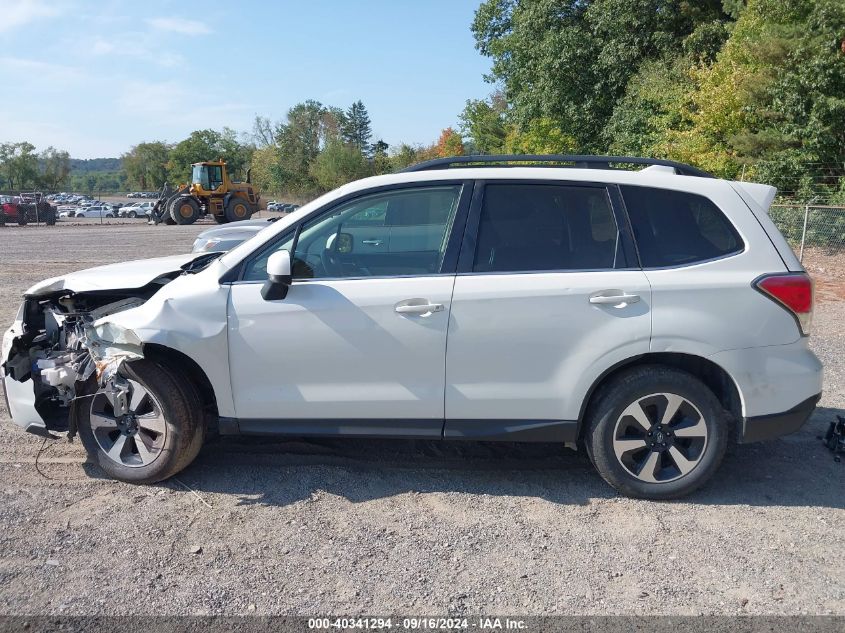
column 359, row 526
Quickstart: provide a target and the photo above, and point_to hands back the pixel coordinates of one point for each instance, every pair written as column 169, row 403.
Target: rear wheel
column 160, row 433
column 22, row 219
column 220, row 219
column 655, row 432
column 184, row 210
column 238, row 209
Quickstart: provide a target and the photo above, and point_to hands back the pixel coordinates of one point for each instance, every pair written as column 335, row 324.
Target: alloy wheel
column 135, row 438
column 660, row 438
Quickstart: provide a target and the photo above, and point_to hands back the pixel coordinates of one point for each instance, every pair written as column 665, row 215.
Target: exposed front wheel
column 184, row 210
column 147, row 433
column 656, row 432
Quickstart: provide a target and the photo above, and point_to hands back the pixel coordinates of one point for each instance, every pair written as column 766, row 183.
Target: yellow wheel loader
column 210, row 191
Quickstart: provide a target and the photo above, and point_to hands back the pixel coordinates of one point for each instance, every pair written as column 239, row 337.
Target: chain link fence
column 806, row 226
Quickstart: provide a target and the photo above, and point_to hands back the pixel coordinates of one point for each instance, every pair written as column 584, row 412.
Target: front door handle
column 418, row 308
column 614, row 299
column 373, row 242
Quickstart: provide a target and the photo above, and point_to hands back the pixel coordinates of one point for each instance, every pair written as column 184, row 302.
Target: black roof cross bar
column 554, row 160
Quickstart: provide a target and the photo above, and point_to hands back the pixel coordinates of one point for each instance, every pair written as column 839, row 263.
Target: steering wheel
column 331, row 261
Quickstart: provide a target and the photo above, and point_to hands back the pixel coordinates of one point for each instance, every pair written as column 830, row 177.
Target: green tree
column 356, row 129
column 299, row 140
column 54, row 167
column 484, row 123
column 146, row 165
column 208, row 145
column 18, row 165
column 338, row 164
column 381, row 159
column 570, row 60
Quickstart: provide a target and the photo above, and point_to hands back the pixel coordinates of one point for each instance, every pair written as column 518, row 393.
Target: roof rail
column 554, row 160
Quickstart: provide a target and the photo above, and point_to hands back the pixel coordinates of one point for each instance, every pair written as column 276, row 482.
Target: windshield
column 209, row 177
column 200, row 176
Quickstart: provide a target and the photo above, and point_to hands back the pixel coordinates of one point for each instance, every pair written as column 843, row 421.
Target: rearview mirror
column 279, row 276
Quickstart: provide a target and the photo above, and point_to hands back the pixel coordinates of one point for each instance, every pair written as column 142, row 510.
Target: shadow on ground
column 796, row 470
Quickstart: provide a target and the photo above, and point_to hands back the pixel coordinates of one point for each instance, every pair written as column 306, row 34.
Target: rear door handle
column 614, row 299
column 418, row 308
column 373, row 242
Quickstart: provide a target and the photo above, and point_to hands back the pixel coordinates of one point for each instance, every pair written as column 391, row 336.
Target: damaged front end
column 60, row 347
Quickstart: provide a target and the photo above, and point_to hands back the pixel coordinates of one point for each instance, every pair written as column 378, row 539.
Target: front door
column 547, row 297
column 358, row 345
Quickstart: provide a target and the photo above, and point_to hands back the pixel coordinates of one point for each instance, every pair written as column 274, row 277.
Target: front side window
column 675, row 228
column 541, row 227
column 399, row 232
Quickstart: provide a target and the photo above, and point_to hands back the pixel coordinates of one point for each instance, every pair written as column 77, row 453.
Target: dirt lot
column 405, row 527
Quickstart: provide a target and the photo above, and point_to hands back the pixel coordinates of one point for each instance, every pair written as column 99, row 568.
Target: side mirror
column 279, row 277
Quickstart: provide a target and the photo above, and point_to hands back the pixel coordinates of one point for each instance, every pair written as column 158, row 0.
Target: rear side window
column 674, row 228
column 530, row 227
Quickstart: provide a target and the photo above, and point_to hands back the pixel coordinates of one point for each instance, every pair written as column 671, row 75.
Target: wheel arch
column 182, row 363
column 715, row 377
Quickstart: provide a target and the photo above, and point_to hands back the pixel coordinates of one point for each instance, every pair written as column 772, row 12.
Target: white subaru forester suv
column 649, row 316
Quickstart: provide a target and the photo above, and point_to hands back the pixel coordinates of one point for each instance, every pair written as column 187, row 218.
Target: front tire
column 655, row 432
column 184, row 210
column 161, row 434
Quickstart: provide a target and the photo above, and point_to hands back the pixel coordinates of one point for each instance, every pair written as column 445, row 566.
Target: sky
column 96, row 77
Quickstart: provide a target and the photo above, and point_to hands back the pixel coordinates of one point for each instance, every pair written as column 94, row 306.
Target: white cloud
column 17, row 13
column 39, row 72
column 179, row 25
column 133, row 46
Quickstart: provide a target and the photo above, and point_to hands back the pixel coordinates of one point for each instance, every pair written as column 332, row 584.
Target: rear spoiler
column 759, row 198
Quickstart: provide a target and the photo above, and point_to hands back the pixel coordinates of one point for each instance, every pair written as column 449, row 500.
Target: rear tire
column 22, row 219
column 162, row 436
column 220, row 219
column 655, row 432
column 238, row 209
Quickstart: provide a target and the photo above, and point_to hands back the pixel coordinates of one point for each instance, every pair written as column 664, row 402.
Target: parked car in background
column 226, row 237
column 135, row 210
column 96, row 211
column 282, row 207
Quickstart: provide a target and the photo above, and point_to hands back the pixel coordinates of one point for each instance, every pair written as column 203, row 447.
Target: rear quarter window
column 675, row 228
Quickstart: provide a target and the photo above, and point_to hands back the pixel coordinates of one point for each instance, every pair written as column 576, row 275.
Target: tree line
column 745, row 89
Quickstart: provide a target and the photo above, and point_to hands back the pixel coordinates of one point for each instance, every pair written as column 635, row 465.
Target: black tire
column 79, row 215
column 220, row 219
column 650, row 387
column 109, row 215
column 50, row 220
column 132, row 214
column 184, row 210
column 2, row 218
column 22, row 219
column 239, row 209
column 181, row 409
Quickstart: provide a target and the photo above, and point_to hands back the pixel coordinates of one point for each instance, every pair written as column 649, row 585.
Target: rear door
column 548, row 296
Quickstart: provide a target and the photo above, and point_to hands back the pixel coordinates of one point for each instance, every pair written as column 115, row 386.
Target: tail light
column 793, row 291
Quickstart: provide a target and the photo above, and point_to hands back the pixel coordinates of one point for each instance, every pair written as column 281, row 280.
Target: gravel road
column 352, row 527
